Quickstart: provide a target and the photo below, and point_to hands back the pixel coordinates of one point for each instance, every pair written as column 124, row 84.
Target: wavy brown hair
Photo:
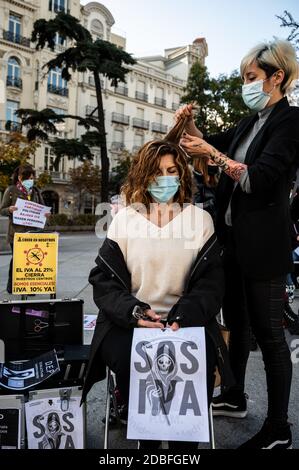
column 145, row 167
column 201, row 165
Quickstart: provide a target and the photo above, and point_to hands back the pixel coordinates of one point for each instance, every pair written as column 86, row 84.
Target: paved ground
column 76, row 258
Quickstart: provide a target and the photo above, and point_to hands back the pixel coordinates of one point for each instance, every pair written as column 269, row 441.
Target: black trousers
column 115, row 352
column 258, row 304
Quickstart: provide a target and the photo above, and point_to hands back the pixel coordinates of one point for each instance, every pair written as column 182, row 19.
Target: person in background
column 258, row 158
column 23, row 188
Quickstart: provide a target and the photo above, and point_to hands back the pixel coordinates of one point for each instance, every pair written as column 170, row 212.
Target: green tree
column 13, row 152
column 120, row 172
column 84, row 54
column 43, row 180
column 219, row 100
column 86, row 178
column 198, row 91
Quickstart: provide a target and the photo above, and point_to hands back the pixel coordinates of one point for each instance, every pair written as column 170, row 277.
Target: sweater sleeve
column 6, row 203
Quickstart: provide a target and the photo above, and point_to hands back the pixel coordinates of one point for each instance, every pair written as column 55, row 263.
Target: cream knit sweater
column 160, row 258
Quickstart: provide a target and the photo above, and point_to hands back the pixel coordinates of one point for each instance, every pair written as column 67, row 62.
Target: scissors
column 40, row 325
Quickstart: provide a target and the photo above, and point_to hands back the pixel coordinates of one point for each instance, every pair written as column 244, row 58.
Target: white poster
column 30, row 214
column 168, row 391
column 52, row 426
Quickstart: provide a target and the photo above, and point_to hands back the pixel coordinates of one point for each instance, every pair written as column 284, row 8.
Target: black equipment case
column 31, row 327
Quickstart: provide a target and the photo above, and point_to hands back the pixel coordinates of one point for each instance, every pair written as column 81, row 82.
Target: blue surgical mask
column 28, row 184
column 254, row 96
column 164, row 188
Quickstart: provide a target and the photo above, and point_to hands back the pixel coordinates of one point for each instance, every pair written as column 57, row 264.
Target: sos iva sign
column 168, row 393
column 54, row 431
column 35, row 263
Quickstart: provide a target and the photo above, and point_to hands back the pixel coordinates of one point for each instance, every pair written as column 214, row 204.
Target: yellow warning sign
column 35, row 263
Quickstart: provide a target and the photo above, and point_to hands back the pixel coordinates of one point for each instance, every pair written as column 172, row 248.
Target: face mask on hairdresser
column 164, row 188
column 254, row 96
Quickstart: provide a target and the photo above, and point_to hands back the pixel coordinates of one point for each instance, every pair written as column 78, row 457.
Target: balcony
column 117, row 146
column 121, row 90
column 16, row 38
column 175, row 106
column 10, row 126
column 120, row 118
column 160, row 102
column 57, row 90
column 92, row 83
column 59, row 176
column 141, row 96
column 15, row 82
column 158, row 127
column 140, row 123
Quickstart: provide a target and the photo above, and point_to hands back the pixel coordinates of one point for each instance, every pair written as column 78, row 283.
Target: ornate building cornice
column 21, row 4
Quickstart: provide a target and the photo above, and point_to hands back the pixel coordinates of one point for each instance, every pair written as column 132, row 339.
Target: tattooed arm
column 197, row 147
column 233, row 169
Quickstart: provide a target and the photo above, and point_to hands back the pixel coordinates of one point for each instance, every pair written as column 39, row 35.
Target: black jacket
column 261, row 220
column 198, row 306
column 204, row 195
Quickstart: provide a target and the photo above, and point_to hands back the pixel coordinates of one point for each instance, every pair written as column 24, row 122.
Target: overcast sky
column 231, row 27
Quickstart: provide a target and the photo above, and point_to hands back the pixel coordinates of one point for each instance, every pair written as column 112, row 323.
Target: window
column 177, row 98
column 160, row 93
column 59, row 41
column 56, row 84
column 15, row 25
column 14, row 73
column 140, row 113
column 120, row 108
column 141, row 86
column 49, row 159
column 57, row 5
column 58, row 110
column 119, row 136
column 159, row 118
column 56, row 79
column 11, row 108
column 14, row 70
column 97, row 29
column 138, row 140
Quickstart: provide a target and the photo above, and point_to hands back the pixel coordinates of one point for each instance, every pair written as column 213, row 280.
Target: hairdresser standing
column 258, row 159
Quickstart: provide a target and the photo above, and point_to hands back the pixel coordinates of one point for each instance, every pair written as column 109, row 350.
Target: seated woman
column 159, row 262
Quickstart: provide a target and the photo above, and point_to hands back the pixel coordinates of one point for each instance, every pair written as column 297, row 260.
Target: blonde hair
column 273, row 56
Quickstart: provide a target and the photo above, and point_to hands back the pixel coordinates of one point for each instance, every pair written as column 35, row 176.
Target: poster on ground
column 35, row 263
column 55, row 419
column 168, row 391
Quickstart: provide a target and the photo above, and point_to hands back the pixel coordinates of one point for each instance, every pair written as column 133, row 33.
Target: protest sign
column 168, row 390
column 55, row 419
column 30, row 214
